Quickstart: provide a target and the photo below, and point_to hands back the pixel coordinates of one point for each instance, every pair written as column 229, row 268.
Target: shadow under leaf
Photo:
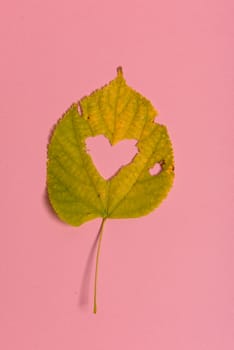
column 87, row 274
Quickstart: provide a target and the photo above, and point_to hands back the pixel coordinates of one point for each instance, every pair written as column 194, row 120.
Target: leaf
column 77, row 191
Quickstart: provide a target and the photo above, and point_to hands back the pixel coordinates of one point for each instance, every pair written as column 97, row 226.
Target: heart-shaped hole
column 109, row 159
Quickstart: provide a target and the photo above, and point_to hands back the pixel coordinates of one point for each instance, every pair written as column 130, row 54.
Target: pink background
column 166, row 280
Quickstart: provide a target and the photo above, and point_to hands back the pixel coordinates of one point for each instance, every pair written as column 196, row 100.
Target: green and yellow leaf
column 77, row 191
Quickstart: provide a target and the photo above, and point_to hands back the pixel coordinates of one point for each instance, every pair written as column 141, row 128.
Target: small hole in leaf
column 79, row 108
column 157, row 168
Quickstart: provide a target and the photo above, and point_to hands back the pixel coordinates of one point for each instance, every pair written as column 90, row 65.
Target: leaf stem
column 100, row 234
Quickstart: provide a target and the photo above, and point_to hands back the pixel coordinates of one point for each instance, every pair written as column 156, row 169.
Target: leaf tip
column 120, row 71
